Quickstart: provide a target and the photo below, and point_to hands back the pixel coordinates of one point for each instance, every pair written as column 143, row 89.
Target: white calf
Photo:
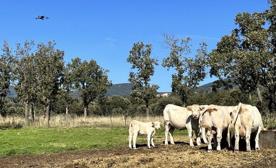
column 142, row 128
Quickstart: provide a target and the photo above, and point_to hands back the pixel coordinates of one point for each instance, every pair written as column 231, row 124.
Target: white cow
column 142, row 128
column 216, row 119
column 245, row 120
column 177, row 117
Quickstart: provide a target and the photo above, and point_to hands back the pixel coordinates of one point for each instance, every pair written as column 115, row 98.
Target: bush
column 158, row 107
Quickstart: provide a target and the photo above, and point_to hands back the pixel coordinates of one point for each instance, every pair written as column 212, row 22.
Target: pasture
column 106, row 146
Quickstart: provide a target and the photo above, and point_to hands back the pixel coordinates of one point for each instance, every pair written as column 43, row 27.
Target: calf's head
column 156, row 124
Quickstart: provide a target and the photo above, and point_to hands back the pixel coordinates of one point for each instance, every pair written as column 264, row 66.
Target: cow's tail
column 237, row 114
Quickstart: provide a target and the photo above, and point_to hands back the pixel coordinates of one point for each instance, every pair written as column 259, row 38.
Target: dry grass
column 73, row 121
column 94, row 121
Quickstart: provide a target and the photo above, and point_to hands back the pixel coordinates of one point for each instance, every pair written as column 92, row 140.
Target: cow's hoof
column 209, row 150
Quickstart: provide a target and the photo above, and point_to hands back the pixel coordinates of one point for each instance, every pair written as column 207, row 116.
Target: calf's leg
column 257, row 146
column 134, row 138
column 152, row 144
column 167, row 129
column 149, row 139
column 129, row 141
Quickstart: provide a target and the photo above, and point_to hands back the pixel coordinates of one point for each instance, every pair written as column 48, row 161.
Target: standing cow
column 246, row 120
column 216, row 119
column 177, row 117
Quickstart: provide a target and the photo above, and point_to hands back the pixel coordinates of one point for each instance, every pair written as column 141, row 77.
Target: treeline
column 243, row 61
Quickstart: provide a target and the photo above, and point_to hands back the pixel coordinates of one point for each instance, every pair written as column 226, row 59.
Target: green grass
column 43, row 140
column 51, row 140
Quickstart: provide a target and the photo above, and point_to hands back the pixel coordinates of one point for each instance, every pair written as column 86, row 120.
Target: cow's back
column 177, row 116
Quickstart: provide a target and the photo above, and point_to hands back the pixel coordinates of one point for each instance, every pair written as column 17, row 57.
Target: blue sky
column 105, row 30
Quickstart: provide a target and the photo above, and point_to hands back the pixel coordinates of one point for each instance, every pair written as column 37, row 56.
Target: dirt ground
column 179, row 155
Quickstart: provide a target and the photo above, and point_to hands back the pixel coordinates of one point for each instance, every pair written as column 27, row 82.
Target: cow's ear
column 189, row 108
column 211, row 109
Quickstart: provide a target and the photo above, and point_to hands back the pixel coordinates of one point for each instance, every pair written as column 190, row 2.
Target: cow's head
column 156, row 124
column 197, row 110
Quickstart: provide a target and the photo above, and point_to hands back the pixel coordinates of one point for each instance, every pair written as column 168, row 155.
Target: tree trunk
column 48, row 113
column 250, row 97
column 125, row 118
column 67, row 110
column 147, row 112
column 85, row 112
column 44, row 111
column 273, row 100
column 26, row 113
column 111, row 123
column 259, row 95
column 31, row 112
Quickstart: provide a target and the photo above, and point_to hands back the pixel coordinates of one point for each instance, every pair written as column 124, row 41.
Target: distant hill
column 121, row 89
column 206, row 87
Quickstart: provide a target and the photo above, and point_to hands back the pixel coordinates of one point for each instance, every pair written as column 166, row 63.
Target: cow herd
column 211, row 123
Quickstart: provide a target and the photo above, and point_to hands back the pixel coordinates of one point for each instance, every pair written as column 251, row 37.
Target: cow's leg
column 129, row 141
column 167, row 129
column 134, row 138
column 247, row 138
column 237, row 139
column 203, row 135
column 228, row 138
column 149, row 139
column 219, row 137
column 152, row 144
column 190, row 134
column 198, row 139
column 209, row 139
column 257, row 146
column 171, row 130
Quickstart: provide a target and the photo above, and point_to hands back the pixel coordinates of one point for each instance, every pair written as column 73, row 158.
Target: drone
column 41, row 17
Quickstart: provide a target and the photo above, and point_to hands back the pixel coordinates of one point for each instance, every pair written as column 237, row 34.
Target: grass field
column 50, row 140
column 85, row 147
column 42, row 140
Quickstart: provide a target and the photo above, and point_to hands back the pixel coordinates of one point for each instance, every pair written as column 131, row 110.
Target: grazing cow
column 246, row 120
column 197, row 111
column 142, row 128
column 176, row 117
column 216, row 119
